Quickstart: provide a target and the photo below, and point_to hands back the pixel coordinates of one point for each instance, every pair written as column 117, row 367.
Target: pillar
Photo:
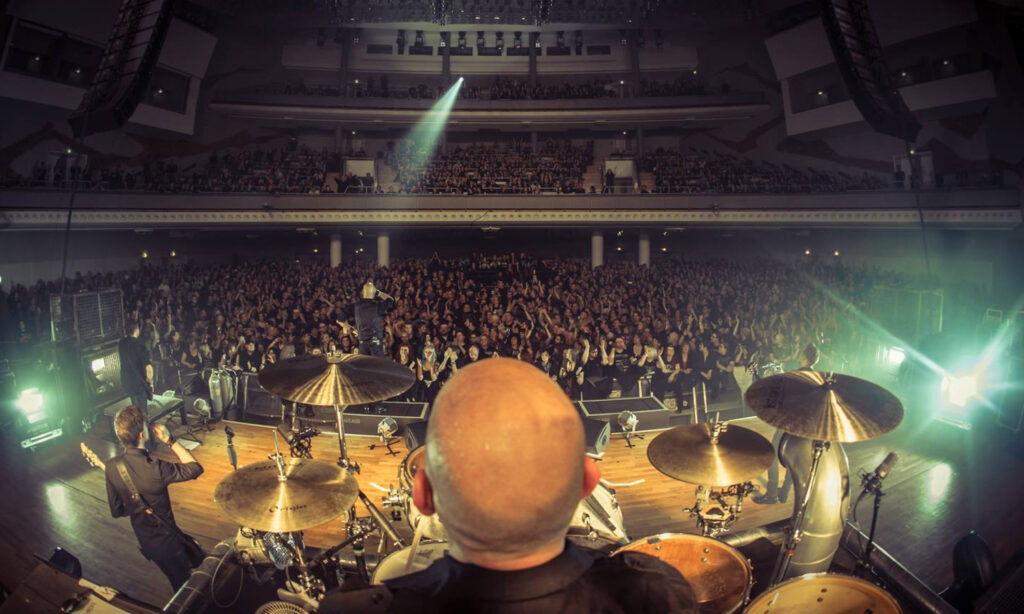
column 532, row 39
column 596, row 249
column 639, row 142
column 634, row 62
column 335, row 250
column 446, row 59
column 339, row 140
column 533, row 142
column 383, row 249
column 644, row 255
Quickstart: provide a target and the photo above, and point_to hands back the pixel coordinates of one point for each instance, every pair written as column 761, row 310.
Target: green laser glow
column 425, row 134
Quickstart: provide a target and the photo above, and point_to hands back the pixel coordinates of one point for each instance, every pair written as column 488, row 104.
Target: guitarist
column 160, row 540
column 136, row 368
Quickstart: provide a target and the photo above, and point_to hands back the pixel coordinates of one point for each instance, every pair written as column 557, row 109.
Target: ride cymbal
column 312, row 494
column 693, row 454
column 825, row 406
column 336, row 379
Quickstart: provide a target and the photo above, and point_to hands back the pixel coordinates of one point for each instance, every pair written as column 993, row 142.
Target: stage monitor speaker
column 596, row 433
column 415, row 434
column 851, row 33
column 125, row 67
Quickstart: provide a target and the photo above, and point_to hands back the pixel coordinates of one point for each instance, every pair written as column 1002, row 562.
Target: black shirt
column 368, row 312
column 134, row 358
column 577, row 581
column 151, row 477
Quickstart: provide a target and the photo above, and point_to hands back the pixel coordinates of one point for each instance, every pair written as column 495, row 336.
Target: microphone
column 873, row 481
column 232, row 456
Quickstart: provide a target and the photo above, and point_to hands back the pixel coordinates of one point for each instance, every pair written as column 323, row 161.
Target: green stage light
column 97, row 365
column 959, row 389
column 30, row 403
column 895, row 357
column 425, row 134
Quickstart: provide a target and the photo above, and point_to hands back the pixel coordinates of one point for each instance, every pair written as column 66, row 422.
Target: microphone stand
column 864, row 562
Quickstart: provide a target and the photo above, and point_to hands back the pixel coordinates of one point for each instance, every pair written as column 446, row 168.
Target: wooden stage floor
column 946, row 483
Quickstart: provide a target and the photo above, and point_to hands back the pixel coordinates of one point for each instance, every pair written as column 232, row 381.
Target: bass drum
column 820, row 592
column 597, row 519
column 719, row 574
column 393, row 565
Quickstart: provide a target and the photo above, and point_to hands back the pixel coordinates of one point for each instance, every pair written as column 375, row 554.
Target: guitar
column 91, row 458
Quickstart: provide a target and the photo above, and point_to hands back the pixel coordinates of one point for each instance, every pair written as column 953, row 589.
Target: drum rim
column 694, row 536
column 402, row 473
column 809, row 577
column 425, row 542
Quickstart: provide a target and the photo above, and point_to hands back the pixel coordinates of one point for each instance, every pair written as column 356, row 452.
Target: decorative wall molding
column 875, row 218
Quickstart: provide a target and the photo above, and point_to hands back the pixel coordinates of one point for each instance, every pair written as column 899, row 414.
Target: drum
column 821, row 592
column 719, row 574
column 432, row 528
column 597, row 516
column 393, row 565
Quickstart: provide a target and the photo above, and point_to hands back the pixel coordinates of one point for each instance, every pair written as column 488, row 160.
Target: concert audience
column 701, row 171
column 584, row 327
column 558, row 167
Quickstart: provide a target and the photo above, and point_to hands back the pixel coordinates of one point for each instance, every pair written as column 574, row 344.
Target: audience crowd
column 680, row 322
column 290, row 168
column 502, row 88
column 557, row 167
column 701, row 171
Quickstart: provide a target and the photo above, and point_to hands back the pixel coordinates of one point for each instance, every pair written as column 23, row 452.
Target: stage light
column 316, row 250
column 96, row 365
column 30, row 404
column 835, row 253
column 959, row 389
column 174, row 254
column 144, row 254
column 895, row 356
column 428, row 129
column 807, row 252
column 386, row 428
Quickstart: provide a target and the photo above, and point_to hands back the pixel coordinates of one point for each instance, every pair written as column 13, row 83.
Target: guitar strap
column 190, row 544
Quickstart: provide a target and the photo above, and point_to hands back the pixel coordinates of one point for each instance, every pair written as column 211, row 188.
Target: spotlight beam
column 425, row 134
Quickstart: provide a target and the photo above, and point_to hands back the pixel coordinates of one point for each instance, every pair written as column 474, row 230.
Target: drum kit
column 274, row 501
column 816, row 413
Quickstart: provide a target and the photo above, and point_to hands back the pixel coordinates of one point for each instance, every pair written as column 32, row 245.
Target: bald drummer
column 505, row 469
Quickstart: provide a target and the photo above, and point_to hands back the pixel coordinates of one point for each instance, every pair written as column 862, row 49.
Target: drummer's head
column 808, row 356
column 369, row 290
column 505, row 465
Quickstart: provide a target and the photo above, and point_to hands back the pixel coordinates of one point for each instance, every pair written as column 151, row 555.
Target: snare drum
column 719, row 574
column 822, row 592
column 393, row 565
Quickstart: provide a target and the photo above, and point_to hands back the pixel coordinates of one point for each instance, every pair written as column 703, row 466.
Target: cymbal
column 688, row 453
column 336, row 379
column 313, row 493
column 825, row 406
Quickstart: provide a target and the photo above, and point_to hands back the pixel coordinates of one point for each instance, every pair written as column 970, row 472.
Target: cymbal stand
column 343, row 459
column 795, row 533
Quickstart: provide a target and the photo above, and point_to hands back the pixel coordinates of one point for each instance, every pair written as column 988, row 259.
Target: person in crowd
column 505, row 557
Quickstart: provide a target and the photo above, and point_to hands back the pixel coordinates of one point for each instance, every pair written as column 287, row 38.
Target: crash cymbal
column 313, row 493
column 336, row 379
column 692, row 454
column 825, row 406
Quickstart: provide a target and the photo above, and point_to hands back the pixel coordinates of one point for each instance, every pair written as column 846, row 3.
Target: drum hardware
column 628, row 421
column 715, row 515
column 871, row 483
column 816, row 409
column 232, row 456
column 795, row 533
column 300, row 444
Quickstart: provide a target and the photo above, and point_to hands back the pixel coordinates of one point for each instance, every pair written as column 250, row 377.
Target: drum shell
column 718, row 573
column 821, row 592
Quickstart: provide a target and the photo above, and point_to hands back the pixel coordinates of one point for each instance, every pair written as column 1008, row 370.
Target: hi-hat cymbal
column 313, row 493
column 690, row 453
column 825, row 406
column 336, row 379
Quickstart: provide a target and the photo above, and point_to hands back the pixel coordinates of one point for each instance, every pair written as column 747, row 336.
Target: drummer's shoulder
column 650, row 579
column 372, row 599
